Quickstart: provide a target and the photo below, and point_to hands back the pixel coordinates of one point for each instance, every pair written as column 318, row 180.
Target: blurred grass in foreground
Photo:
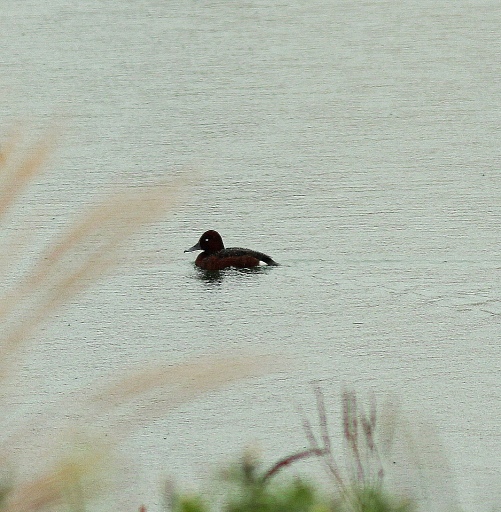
column 87, row 249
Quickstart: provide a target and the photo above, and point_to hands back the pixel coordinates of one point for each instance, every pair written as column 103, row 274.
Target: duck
column 216, row 257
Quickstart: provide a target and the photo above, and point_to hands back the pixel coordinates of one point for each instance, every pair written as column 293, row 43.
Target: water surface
column 357, row 143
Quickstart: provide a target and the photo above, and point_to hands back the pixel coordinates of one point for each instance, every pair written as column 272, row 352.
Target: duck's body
column 216, row 257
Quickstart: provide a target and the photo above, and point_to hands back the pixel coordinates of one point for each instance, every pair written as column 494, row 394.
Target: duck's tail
column 270, row 261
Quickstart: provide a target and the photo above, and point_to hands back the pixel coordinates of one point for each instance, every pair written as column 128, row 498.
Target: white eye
column 206, row 239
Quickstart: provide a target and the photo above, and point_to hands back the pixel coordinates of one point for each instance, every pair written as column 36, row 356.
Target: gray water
column 357, row 143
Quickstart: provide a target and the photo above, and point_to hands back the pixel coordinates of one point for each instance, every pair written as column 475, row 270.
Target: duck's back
column 240, row 252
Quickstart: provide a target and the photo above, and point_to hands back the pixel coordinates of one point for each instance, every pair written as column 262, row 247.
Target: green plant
column 358, row 484
column 246, row 490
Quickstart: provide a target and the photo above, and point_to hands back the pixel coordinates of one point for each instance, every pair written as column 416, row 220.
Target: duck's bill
column 196, row 247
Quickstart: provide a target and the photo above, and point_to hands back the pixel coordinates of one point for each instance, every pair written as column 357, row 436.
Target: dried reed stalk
column 16, row 171
column 87, row 250
column 67, row 483
column 158, row 389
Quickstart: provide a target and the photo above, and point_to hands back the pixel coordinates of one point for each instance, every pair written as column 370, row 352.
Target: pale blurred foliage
column 416, row 460
column 69, row 485
column 83, row 253
column 89, row 247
